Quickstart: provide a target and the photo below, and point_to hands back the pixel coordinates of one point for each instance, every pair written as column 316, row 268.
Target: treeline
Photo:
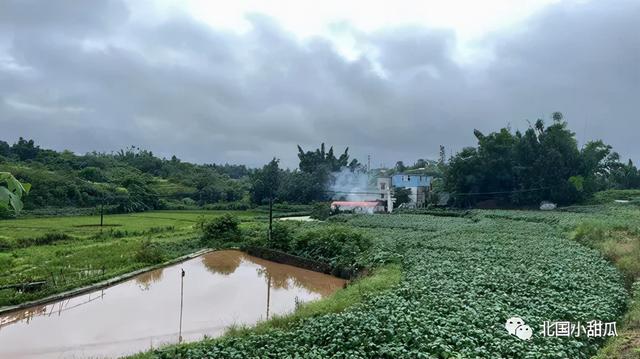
column 135, row 180
column 305, row 185
column 542, row 164
column 127, row 181
column 506, row 168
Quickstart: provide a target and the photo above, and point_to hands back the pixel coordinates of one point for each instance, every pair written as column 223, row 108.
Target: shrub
column 590, row 233
column 227, row 206
column 49, row 238
column 6, row 213
column 149, row 252
column 225, row 227
column 321, row 211
column 334, row 245
column 45, row 239
column 189, row 201
column 118, row 233
column 255, row 234
column 6, row 243
column 155, row 230
column 281, row 236
column 92, row 174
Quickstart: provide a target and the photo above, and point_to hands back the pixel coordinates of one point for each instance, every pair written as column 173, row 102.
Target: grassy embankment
column 70, row 252
column 616, row 234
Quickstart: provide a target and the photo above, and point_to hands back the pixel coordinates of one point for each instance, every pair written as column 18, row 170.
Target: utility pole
column 181, row 303
column 102, row 212
column 368, row 163
column 270, row 216
column 268, row 293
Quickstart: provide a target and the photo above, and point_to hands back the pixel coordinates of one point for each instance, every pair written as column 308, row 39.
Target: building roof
column 356, row 203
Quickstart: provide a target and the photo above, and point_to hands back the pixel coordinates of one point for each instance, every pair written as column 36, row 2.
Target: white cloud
column 207, row 90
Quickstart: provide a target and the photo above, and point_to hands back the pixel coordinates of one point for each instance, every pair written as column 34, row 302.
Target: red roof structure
column 355, row 204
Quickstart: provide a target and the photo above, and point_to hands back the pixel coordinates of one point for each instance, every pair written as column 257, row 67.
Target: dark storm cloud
column 92, row 78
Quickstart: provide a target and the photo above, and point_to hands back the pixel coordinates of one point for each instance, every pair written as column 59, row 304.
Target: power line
column 459, row 194
column 502, row 192
column 349, row 192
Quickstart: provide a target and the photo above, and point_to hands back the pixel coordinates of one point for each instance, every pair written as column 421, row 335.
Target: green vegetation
column 627, row 344
column 619, row 241
column 359, row 290
column 339, row 246
column 609, row 196
column 135, row 180
column 225, row 228
column 543, row 163
column 306, row 185
column 444, row 281
column 462, row 277
column 149, row 252
column 11, row 192
column 69, row 252
column 321, row 211
column 130, row 180
column 336, row 245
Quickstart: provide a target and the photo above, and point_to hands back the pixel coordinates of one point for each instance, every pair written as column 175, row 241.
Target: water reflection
column 222, row 262
column 25, row 315
column 284, row 276
column 281, row 276
column 220, row 289
column 145, row 280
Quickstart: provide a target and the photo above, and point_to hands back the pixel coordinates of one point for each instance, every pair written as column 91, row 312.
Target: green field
column 90, row 253
column 85, row 226
column 461, row 276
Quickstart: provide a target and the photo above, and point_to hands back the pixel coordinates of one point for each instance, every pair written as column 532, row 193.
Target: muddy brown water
column 221, row 289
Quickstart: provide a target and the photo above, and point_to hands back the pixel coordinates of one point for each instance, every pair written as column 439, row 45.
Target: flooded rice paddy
column 221, row 288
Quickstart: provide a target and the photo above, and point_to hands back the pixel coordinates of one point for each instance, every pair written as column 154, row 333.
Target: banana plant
column 12, row 191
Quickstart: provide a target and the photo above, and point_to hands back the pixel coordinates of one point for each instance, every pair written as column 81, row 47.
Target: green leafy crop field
column 462, row 278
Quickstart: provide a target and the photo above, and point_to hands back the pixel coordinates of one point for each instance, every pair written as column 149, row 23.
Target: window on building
column 383, row 186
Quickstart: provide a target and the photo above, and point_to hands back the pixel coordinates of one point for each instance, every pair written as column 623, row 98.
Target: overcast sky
column 243, row 81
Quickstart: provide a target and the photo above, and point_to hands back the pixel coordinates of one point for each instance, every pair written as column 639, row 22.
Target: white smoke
column 352, row 186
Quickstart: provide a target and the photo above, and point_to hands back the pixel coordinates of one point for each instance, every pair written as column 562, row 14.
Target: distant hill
column 129, row 180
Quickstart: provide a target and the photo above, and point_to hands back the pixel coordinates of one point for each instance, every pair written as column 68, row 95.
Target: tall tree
column 321, row 160
column 544, row 163
column 25, row 150
column 265, row 182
